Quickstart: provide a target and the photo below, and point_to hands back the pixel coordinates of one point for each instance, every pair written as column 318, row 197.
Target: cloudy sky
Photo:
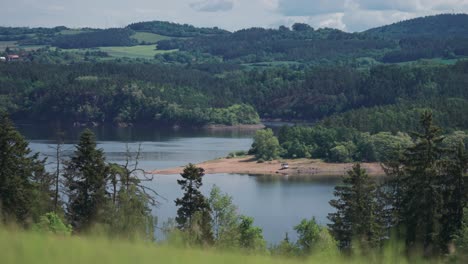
column 349, row 15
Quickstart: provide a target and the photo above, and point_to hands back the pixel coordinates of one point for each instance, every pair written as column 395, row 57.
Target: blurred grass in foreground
column 28, row 247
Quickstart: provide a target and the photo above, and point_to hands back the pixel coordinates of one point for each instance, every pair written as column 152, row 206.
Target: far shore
column 299, row 167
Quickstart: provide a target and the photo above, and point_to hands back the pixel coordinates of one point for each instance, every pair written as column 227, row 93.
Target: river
column 276, row 203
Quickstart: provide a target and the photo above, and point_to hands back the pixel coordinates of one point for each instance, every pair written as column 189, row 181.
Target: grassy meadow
column 148, row 37
column 28, row 247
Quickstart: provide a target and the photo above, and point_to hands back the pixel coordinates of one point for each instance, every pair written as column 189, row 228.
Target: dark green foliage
column 25, row 187
column 443, row 25
column 302, row 44
column 174, row 29
column 86, row 180
column 431, row 196
column 357, row 217
column 387, row 98
column 193, row 215
column 100, row 38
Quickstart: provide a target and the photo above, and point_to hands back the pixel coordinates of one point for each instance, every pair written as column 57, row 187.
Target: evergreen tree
column 423, row 193
column 24, row 184
column 194, row 211
column 86, row 180
column 357, row 212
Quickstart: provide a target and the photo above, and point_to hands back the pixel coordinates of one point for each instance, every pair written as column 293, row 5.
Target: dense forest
column 382, row 98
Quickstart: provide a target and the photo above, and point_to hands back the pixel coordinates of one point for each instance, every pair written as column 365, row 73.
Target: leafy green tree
column 266, row 146
column 308, row 235
column 86, row 181
column 25, row 191
column 285, row 248
column 251, row 238
column 194, row 209
column 339, row 154
column 356, row 218
column 225, row 219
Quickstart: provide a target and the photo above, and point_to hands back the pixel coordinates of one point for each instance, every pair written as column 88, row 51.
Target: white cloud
column 213, row 5
column 350, row 15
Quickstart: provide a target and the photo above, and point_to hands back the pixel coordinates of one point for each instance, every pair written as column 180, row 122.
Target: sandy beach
column 302, row 167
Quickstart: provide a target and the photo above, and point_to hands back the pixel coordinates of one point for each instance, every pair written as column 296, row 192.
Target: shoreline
column 297, row 167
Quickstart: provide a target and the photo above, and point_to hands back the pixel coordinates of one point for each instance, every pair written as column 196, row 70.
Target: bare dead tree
column 131, row 174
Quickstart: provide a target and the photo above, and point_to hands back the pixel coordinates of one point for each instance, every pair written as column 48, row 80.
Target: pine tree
column 24, row 184
column 194, row 211
column 357, row 216
column 86, row 180
column 422, row 198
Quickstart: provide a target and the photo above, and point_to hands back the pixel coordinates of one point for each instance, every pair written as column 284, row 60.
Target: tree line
column 195, row 94
column 338, row 144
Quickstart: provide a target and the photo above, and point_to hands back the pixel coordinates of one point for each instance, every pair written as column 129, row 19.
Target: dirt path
column 248, row 165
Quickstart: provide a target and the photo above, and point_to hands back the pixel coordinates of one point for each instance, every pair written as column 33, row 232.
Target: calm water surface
column 276, row 203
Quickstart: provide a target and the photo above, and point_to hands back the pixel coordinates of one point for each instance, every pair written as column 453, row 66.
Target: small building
column 12, row 57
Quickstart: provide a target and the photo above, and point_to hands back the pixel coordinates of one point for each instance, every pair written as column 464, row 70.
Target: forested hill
column 435, row 37
column 439, row 26
column 174, row 29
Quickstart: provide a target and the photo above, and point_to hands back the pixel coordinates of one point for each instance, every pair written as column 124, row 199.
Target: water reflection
column 276, row 202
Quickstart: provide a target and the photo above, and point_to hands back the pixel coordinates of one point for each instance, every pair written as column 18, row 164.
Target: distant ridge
column 442, row 25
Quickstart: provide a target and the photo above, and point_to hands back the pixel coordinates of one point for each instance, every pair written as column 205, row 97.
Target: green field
column 5, row 44
column 133, row 52
column 20, row 248
column 148, row 38
column 73, row 31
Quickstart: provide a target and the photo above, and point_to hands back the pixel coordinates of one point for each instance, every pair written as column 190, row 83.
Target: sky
column 347, row 15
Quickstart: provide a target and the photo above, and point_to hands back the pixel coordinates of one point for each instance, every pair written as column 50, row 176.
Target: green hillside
column 444, row 25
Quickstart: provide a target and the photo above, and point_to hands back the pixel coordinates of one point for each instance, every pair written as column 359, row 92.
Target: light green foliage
column 339, row 154
column 131, row 216
column 296, row 149
column 52, row 223
column 234, row 115
column 285, row 248
column 313, row 237
column 251, row 238
column 265, row 145
column 455, row 139
column 139, row 51
column 148, row 38
column 389, row 147
column 237, row 154
column 225, row 219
